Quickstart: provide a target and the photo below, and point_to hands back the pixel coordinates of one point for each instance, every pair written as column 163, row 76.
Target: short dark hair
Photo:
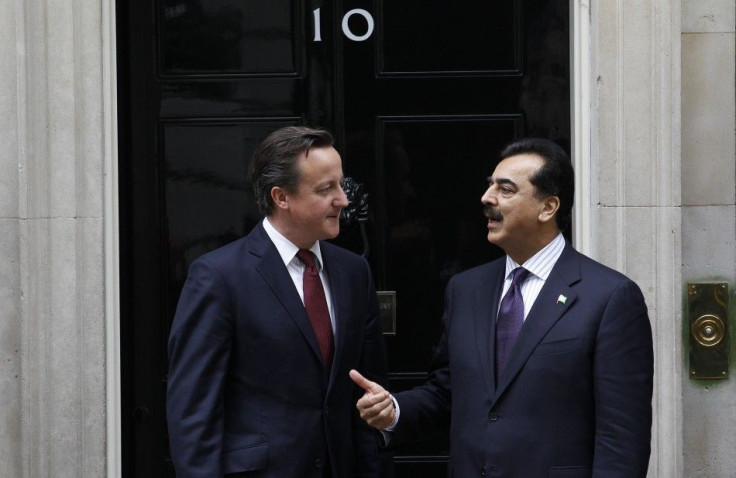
column 274, row 162
column 556, row 176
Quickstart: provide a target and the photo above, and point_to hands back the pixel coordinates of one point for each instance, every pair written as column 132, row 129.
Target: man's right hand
column 375, row 406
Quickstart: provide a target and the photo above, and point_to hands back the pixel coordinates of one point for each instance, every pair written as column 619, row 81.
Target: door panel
column 257, row 37
column 421, row 96
column 430, row 37
column 429, row 198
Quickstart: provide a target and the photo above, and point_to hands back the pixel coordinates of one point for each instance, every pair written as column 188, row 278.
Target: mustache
column 492, row 214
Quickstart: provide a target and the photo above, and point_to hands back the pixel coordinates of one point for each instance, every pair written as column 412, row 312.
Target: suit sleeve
column 623, row 379
column 370, row 459
column 425, row 409
column 199, row 352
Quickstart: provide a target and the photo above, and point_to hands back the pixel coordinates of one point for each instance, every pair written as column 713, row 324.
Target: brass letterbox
column 387, row 309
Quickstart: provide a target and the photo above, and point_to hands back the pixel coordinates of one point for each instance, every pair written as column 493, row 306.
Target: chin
column 495, row 239
column 332, row 233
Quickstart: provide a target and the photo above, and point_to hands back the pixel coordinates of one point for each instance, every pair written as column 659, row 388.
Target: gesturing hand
column 375, row 406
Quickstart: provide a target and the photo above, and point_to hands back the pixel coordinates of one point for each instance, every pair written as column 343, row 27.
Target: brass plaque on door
column 708, row 329
column 387, row 309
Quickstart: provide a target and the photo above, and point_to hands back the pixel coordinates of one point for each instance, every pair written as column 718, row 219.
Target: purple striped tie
column 510, row 319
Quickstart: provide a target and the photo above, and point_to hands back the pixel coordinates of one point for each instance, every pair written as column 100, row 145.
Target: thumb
column 365, row 384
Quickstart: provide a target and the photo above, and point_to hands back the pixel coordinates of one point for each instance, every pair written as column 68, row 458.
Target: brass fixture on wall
column 708, row 330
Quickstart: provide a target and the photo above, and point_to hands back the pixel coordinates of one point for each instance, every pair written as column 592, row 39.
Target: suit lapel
column 485, row 307
column 341, row 303
column 271, row 268
column 545, row 312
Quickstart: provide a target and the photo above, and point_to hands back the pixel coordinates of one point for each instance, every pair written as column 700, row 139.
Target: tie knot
column 518, row 276
column 307, row 257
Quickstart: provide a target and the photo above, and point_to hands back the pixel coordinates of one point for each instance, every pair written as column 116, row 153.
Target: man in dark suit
column 268, row 327
column 541, row 371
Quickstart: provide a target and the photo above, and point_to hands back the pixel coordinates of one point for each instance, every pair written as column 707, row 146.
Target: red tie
column 316, row 305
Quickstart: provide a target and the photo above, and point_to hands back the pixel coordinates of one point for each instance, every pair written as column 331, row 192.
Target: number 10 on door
column 345, row 26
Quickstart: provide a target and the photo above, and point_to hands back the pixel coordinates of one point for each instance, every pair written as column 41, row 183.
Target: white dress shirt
column 287, row 251
column 539, row 265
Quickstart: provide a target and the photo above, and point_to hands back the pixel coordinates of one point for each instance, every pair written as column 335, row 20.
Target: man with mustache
column 545, row 365
column 268, row 327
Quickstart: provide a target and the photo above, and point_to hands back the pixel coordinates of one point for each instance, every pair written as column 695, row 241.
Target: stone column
column 55, row 135
column 10, row 294
column 635, row 191
column 709, row 216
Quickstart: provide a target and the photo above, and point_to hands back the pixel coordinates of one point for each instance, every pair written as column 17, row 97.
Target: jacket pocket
column 570, row 472
column 557, row 347
column 253, row 457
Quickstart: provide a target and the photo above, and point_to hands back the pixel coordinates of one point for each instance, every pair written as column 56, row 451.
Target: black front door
column 421, row 95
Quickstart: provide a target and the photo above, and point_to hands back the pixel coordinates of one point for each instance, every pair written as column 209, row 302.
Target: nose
column 342, row 198
column 489, row 197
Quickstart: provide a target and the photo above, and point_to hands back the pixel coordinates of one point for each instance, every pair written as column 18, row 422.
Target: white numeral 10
column 345, row 27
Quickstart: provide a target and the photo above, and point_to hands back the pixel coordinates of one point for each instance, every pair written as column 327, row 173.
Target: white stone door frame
column 113, row 403
column 626, row 151
column 580, row 76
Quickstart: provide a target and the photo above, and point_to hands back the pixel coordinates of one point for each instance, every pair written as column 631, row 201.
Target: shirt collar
column 287, row 250
column 541, row 263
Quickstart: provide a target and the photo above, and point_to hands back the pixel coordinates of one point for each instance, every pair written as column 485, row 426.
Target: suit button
column 492, row 416
column 483, row 471
column 318, row 463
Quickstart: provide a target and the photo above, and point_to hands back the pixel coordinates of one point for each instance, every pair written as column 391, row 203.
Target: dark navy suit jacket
column 575, row 397
column 247, row 391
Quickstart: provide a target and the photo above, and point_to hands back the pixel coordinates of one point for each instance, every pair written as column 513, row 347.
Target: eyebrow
column 500, row 181
column 329, row 182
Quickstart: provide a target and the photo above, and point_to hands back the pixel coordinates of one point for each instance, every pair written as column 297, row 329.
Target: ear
column 280, row 197
column 549, row 209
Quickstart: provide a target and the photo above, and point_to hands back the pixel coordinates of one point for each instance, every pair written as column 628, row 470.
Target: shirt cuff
column 393, row 424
